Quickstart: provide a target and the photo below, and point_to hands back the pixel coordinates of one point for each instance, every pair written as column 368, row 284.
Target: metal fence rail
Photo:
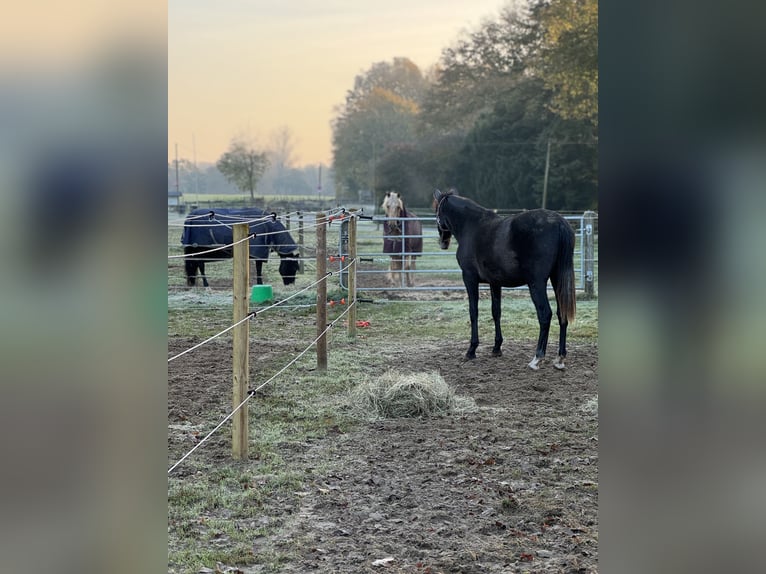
column 437, row 269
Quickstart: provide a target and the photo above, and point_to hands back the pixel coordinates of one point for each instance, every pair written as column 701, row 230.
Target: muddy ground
column 510, row 486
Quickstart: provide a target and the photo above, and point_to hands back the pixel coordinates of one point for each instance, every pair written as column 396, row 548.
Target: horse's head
column 284, row 245
column 442, row 223
column 393, row 207
column 288, row 267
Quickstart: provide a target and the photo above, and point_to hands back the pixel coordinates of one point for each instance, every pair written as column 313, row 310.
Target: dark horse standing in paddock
column 204, row 229
column 525, row 249
column 402, row 238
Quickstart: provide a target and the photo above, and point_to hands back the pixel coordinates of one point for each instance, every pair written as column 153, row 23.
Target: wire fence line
column 251, row 393
column 237, row 218
column 294, row 360
column 330, row 213
column 206, row 341
column 222, row 247
column 253, row 314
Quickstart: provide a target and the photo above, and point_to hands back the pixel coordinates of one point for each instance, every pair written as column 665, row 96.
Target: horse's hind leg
column 563, row 323
column 544, row 314
column 201, row 266
column 497, row 291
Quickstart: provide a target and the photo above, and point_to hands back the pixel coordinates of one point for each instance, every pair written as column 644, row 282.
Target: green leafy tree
column 502, row 162
column 492, row 110
column 379, row 112
column 243, row 166
column 474, row 74
column 568, row 56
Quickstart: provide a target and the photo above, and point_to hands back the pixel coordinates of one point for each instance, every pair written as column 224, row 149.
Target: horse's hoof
column 534, row 364
column 559, row 363
column 470, row 355
column 497, row 353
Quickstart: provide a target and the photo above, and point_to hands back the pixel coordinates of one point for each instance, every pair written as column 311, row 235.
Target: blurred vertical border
column 682, row 207
column 83, row 110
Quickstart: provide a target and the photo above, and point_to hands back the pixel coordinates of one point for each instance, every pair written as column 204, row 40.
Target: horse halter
column 439, row 223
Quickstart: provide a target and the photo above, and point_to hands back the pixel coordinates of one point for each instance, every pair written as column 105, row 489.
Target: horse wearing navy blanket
column 524, row 249
column 205, row 229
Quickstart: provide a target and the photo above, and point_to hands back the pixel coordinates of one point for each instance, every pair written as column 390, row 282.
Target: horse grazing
column 205, row 229
column 402, row 238
column 524, row 249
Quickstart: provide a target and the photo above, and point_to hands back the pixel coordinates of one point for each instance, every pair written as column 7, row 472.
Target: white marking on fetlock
column 534, row 364
column 559, row 363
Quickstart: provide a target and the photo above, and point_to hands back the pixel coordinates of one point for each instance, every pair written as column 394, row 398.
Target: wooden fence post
column 321, row 225
column 241, row 280
column 589, row 251
column 300, row 243
column 352, row 276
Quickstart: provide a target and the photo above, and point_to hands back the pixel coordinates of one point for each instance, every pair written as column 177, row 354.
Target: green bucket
column 261, row 294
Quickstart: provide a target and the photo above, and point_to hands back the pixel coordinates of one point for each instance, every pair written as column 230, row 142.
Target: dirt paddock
column 510, row 485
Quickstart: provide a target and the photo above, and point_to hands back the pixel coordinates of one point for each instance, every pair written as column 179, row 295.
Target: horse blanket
column 203, row 229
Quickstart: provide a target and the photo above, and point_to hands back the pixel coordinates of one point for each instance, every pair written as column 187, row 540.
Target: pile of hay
column 399, row 395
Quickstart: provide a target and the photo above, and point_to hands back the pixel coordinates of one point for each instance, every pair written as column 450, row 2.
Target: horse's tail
column 565, row 286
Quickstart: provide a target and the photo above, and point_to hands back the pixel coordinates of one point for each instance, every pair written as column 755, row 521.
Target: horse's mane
column 469, row 204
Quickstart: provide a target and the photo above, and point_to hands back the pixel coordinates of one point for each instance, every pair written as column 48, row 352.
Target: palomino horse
column 402, row 238
column 524, row 249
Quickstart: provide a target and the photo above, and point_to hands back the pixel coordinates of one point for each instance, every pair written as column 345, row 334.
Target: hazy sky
column 250, row 66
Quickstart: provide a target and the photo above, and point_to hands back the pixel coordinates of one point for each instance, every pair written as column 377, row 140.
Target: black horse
column 205, row 229
column 525, row 249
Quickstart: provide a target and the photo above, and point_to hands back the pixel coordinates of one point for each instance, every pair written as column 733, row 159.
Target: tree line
column 509, row 115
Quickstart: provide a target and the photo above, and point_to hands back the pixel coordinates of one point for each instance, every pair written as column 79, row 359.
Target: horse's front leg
column 258, row 272
column 472, row 287
column 202, row 274
column 408, row 266
column 396, row 268
column 497, row 292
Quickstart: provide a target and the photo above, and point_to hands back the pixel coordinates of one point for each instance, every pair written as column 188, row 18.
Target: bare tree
column 243, row 165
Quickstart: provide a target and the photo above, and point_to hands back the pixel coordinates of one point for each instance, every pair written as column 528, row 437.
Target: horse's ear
column 437, row 194
column 388, row 193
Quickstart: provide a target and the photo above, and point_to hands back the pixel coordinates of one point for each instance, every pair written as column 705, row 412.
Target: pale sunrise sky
column 250, row 66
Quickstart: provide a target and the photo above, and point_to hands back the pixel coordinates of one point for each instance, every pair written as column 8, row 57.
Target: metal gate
column 437, row 269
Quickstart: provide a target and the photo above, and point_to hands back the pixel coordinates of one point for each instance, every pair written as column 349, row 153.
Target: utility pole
column 196, row 171
column 545, row 178
column 178, row 188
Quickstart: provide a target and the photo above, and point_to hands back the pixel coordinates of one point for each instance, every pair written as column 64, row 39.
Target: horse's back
column 536, row 236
